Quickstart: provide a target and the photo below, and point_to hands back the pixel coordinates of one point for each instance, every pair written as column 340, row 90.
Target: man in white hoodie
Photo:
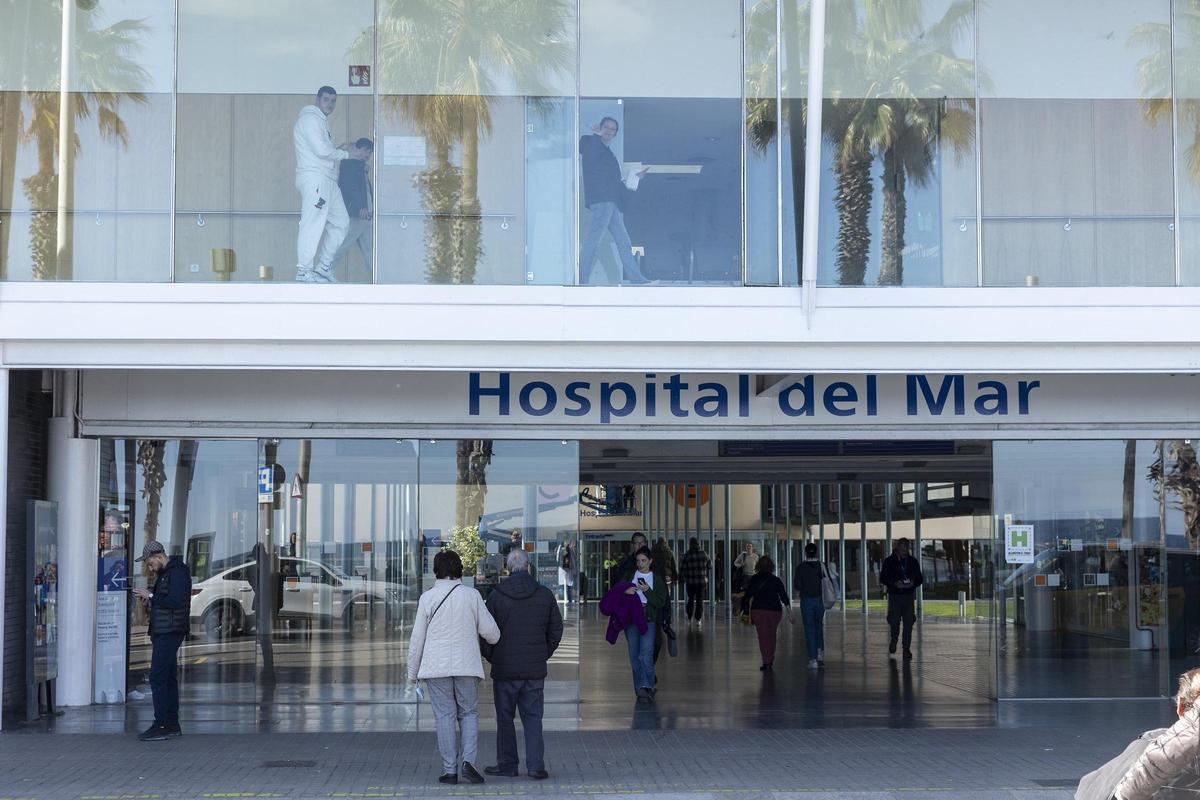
column 323, row 217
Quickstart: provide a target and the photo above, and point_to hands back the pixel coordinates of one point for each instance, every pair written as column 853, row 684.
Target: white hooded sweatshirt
column 314, row 146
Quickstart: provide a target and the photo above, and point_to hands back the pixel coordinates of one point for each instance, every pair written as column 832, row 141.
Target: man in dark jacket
column 604, row 193
column 531, row 627
column 901, row 575
column 694, row 569
column 354, row 181
column 169, row 609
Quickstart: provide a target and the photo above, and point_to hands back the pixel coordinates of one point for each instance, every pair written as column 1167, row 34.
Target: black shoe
column 470, row 773
column 908, row 655
column 499, row 770
column 173, row 731
column 539, row 774
column 892, row 649
column 643, row 694
column 449, row 777
column 155, row 733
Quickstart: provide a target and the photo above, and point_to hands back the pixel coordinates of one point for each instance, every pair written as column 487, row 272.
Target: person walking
column 568, row 571
column 693, row 570
column 354, row 182
column 650, row 588
column 605, row 195
column 901, row 576
column 169, row 605
column 664, row 565
column 627, row 566
column 444, row 652
column 807, row 584
column 765, row 599
column 323, row 216
column 531, row 628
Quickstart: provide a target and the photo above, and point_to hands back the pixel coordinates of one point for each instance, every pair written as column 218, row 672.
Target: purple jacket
column 622, row 611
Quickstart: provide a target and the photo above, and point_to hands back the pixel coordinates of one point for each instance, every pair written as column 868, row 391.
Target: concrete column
column 73, row 481
column 3, row 499
column 918, row 499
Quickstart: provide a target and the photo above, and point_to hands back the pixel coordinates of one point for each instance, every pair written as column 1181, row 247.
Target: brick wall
column 28, row 423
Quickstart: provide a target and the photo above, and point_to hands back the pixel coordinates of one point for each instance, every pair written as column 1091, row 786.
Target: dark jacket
column 808, row 579
column 171, row 599
column 622, row 611
column 355, row 185
column 694, row 566
column 765, row 592
column 894, row 570
column 601, row 173
column 531, row 627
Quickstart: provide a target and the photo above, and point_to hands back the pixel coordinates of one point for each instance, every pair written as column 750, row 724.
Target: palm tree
column 894, row 94
column 915, row 97
column 465, row 52
column 1171, row 69
column 1176, row 478
column 101, row 58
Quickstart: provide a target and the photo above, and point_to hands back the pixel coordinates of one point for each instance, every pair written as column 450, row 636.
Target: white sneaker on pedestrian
column 324, row 274
column 821, row 657
column 306, row 276
column 813, row 664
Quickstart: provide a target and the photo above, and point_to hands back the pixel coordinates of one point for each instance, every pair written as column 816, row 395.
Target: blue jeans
column 641, row 655
column 606, row 216
column 812, row 611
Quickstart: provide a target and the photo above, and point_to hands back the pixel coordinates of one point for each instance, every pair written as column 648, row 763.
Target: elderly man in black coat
column 531, row 627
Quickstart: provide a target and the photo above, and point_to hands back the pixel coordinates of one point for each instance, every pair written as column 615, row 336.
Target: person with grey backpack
column 815, row 582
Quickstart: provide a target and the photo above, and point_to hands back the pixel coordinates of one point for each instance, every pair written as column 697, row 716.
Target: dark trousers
column 164, row 677
column 528, row 697
column 695, row 600
column 902, row 608
column 664, row 617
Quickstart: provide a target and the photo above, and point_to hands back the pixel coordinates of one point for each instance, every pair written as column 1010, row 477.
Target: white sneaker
column 306, row 276
column 813, row 664
column 324, row 274
column 821, row 657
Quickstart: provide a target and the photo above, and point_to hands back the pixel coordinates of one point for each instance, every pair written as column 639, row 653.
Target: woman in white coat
column 444, row 652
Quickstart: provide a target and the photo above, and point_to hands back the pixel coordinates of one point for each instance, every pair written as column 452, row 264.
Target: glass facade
column 305, row 591
column 566, row 142
column 307, row 594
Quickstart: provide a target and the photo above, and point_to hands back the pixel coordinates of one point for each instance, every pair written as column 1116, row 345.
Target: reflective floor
column 714, row 683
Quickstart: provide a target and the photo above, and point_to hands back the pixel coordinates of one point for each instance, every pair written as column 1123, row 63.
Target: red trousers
column 767, row 624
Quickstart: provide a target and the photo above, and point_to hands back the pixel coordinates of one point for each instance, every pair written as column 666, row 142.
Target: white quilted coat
column 448, row 647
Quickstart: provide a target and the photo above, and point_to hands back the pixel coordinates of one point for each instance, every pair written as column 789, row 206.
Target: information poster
column 1018, row 544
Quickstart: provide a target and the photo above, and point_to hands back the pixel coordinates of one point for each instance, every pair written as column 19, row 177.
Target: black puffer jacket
column 531, row 627
column 171, row 599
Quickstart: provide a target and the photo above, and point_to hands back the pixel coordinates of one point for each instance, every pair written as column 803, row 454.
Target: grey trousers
column 455, row 704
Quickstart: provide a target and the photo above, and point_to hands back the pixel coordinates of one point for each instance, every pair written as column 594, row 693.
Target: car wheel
column 221, row 622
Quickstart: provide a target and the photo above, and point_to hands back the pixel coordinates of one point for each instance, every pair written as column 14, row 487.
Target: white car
column 223, row 606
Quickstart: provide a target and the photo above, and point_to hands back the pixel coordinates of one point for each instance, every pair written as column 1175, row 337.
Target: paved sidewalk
column 865, row 763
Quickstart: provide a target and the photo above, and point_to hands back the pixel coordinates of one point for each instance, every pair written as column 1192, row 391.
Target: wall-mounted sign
column 1018, row 544
column 266, row 484
column 360, row 75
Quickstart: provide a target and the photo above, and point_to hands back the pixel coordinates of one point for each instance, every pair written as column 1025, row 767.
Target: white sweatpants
column 323, row 220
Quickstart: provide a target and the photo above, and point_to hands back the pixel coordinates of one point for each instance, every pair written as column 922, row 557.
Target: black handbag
column 672, row 643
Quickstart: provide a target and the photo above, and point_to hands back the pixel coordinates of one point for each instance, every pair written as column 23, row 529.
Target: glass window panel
column 898, row 156
column 762, row 143
column 237, row 199
column 1185, row 71
column 486, row 496
column 1075, row 143
column 345, row 572
column 116, row 131
column 1078, row 610
column 682, row 223
column 476, row 119
column 197, row 498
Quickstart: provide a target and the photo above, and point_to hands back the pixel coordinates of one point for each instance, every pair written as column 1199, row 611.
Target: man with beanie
column 531, row 627
column 168, row 606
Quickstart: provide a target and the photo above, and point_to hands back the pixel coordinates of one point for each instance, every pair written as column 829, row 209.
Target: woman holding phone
column 651, row 590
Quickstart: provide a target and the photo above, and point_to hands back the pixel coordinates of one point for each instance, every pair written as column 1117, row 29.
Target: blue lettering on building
column 807, row 396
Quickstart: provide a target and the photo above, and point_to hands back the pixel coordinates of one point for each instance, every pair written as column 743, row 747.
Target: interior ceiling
column 671, row 461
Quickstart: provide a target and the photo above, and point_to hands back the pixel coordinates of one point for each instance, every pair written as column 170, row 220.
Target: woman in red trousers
column 766, row 598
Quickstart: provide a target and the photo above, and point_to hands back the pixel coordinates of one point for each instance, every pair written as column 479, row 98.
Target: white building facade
column 966, row 230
